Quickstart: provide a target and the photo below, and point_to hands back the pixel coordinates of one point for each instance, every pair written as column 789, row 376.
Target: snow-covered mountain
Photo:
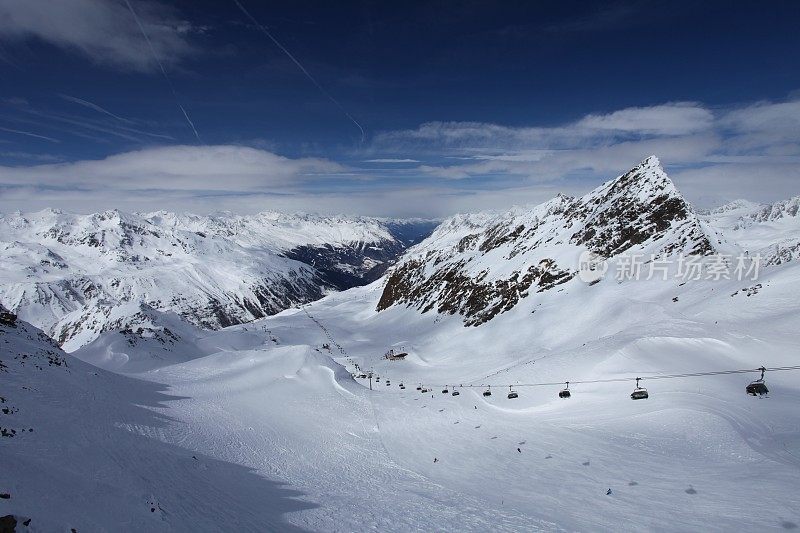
column 267, row 426
column 76, row 276
column 769, row 230
column 481, row 265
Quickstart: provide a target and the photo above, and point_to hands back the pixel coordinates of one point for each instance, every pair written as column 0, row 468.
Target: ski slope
column 699, row 454
column 285, row 438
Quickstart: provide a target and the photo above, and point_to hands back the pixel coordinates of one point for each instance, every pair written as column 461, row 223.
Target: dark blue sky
column 393, row 67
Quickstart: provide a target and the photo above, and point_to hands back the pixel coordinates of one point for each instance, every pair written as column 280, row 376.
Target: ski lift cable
column 641, row 377
column 645, row 377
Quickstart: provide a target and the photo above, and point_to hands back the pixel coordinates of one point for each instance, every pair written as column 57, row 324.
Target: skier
column 435, row 460
column 520, row 451
column 608, row 493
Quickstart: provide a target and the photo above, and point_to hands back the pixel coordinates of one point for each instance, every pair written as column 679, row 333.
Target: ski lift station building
column 391, row 355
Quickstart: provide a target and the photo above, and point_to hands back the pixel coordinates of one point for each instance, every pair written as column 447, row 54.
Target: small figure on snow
column 435, row 460
column 520, row 451
column 608, row 493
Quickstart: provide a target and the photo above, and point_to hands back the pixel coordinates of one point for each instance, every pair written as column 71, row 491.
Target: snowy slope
column 771, row 230
column 73, row 275
column 698, row 455
column 83, row 448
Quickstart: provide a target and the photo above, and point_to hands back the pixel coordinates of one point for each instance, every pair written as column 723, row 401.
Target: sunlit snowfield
column 698, row 454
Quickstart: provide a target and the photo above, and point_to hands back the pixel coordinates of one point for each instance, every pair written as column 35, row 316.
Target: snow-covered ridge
column 72, row 275
column 770, row 230
column 481, row 265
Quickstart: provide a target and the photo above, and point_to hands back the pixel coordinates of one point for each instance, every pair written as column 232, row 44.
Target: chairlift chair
column 445, row 391
column 512, row 393
column 639, row 393
column 456, row 393
column 419, row 388
column 758, row 387
column 565, row 392
column 488, row 391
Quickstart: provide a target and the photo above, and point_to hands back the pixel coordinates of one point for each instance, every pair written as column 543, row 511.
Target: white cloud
column 751, row 151
column 680, row 118
column 716, row 184
column 714, row 156
column 396, row 202
column 670, row 119
column 175, row 168
column 103, row 30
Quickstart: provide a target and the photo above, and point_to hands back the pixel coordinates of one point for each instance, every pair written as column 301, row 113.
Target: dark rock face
column 464, row 268
column 411, row 232
column 477, row 300
column 345, row 267
column 356, row 264
column 8, row 319
column 619, row 216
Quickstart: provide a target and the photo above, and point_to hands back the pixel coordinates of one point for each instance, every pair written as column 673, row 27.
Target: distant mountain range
column 151, row 276
column 76, row 276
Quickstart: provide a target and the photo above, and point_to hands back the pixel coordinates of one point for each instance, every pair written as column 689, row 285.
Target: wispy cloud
column 93, row 106
column 714, row 155
column 391, row 160
column 30, row 134
column 95, row 128
column 102, row 30
column 697, row 143
column 670, row 119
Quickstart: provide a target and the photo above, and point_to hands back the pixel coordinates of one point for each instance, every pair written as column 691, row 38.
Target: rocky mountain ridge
column 481, row 265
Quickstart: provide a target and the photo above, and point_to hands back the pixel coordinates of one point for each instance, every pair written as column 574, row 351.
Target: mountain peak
column 645, row 181
column 650, row 162
column 484, row 265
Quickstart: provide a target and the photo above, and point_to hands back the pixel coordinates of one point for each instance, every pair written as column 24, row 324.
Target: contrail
column 90, row 105
column 29, row 134
column 163, row 70
column 300, row 66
